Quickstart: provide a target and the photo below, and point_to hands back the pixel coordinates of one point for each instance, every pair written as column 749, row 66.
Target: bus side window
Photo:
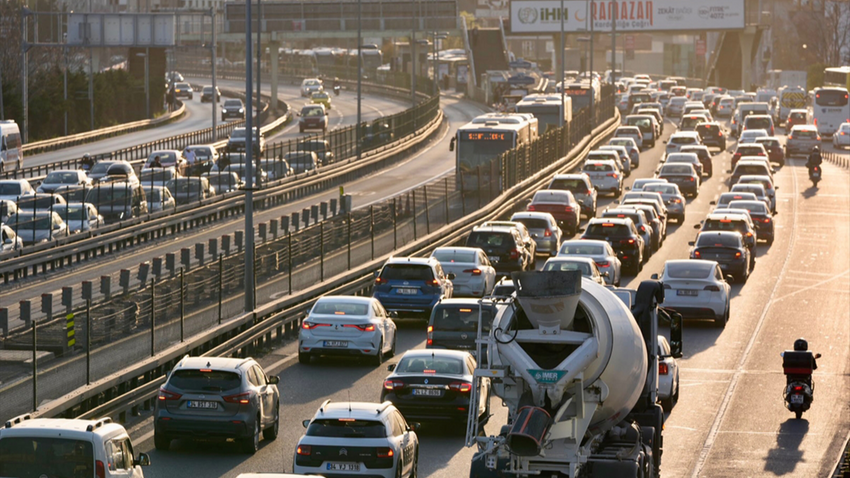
column 3, row 144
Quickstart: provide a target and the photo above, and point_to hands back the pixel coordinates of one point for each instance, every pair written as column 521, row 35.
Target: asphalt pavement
column 730, row 419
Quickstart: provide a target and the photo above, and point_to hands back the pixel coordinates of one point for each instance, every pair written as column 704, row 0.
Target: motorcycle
column 799, row 392
column 815, row 175
column 336, row 90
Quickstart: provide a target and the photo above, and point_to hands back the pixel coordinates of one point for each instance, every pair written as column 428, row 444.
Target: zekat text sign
column 544, row 16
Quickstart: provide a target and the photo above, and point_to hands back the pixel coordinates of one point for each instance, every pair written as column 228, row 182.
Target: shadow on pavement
column 782, row 459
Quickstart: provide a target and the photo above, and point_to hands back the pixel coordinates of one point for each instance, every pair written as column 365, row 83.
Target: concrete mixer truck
column 576, row 364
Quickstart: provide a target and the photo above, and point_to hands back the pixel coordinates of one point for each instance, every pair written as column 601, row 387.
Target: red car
column 775, row 153
column 561, row 204
column 796, row 117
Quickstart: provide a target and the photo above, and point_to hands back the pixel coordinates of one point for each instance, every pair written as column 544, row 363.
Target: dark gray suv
column 216, row 397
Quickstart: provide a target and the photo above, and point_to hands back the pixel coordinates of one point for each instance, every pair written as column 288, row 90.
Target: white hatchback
column 347, row 326
column 841, row 138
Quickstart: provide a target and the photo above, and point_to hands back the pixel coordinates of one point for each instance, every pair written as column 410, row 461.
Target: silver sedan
column 601, row 253
column 673, row 199
column 474, row 276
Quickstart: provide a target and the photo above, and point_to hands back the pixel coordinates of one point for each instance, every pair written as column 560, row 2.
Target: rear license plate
column 202, row 404
column 724, row 266
column 425, row 392
column 687, row 292
column 343, row 466
column 336, row 343
column 493, row 258
column 796, row 399
column 405, row 291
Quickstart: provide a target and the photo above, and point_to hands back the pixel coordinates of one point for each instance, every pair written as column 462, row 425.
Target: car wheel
column 722, row 320
column 378, row 359
column 304, row 358
column 161, row 441
column 271, row 432
column 395, row 336
column 414, row 471
column 770, row 241
column 399, row 467
column 681, row 219
column 251, row 444
column 667, row 403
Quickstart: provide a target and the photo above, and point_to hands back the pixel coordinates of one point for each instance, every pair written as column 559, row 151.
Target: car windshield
column 533, row 223
column 804, row 134
column 106, row 195
column 312, row 112
column 184, row 185
column 683, row 140
column 311, row 82
column 583, row 267
column 154, row 195
column 446, row 256
column 320, row 96
column 165, row 157
column 101, row 167
column 484, row 239
column 223, row 179
column 61, row 177
column 718, row 240
column 29, row 222
column 574, row 185
column 317, row 146
column 431, row 364
column 407, row 272
column 205, row 380
column 724, row 225
column 769, row 143
column 593, row 167
column 155, row 176
column 75, row 212
column 677, row 169
column 346, row 428
column 36, row 202
column 749, row 150
column 607, row 229
column 452, row 318
column 233, row 103
column 582, row 249
column 34, row 457
column 688, row 270
column 333, row 307
column 756, row 207
column 660, row 188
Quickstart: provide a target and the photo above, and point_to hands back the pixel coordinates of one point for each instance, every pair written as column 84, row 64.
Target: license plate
column 336, row 343
column 202, row 404
column 724, row 266
column 343, row 466
column 687, row 292
column 405, row 291
column 425, row 392
column 796, row 399
column 493, row 258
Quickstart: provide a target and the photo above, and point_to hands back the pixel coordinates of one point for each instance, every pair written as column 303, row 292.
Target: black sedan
column 727, row 248
column 434, row 385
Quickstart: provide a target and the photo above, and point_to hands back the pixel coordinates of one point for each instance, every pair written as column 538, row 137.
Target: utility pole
column 259, row 57
column 592, row 91
column 614, row 75
column 413, row 54
column 563, row 59
column 249, row 168
column 359, row 74
column 213, row 52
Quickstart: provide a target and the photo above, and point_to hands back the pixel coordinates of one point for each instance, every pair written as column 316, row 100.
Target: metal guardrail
column 131, row 388
column 99, row 134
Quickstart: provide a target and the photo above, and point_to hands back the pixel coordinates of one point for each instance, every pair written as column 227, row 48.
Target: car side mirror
column 713, row 203
column 665, row 141
column 393, row 314
column 654, row 277
column 580, row 229
column 391, row 367
column 817, row 356
column 775, row 187
column 451, row 276
column 274, row 380
column 305, row 423
column 8, row 241
column 730, row 278
column 628, row 188
column 143, row 460
column 729, row 171
column 697, row 226
column 691, row 243
column 773, row 170
column 413, row 427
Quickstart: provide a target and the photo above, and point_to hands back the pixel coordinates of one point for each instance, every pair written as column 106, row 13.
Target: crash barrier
column 842, row 467
column 838, row 159
column 438, row 213
column 282, row 164
column 37, row 147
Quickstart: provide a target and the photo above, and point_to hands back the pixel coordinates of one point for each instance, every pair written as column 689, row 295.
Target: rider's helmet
column 86, row 157
column 816, row 149
column 801, row 345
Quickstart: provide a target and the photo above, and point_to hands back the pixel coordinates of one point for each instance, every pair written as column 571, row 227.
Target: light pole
column 249, row 169
column 436, row 53
column 259, row 56
column 563, row 59
column 413, row 55
column 146, row 55
column 592, row 90
column 359, row 74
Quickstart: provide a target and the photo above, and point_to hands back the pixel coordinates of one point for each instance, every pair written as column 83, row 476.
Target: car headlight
column 241, row 110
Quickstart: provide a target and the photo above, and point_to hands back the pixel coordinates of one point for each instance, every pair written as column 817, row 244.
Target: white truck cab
column 68, row 447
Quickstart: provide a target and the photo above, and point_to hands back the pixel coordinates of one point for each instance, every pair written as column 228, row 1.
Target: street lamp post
column 146, row 55
column 359, row 74
column 413, row 56
column 563, row 59
column 249, row 169
column 592, row 91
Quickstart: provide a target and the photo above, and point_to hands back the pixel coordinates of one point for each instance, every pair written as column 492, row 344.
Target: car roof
column 532, row 215
column 459, row 249
column 726, row 215
column 425, row 261
column 359, row 410
column 351, row 299
column 459, row 354
column 463, row 301
column 65, row 427
column 583, row 176
column 690, row 134
column 218, row 363
column 586, row 242
column 610, row 220
column 720, row 233
column 809, row 127
column 571, row 258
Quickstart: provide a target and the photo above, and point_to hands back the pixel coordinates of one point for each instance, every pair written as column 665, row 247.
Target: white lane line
column 803, row 289
column 710, row 439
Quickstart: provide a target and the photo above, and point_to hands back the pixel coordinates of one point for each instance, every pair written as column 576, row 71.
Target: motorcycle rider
column 814, row 160
column 803, row 359
column 336, row 85
column 87, row 162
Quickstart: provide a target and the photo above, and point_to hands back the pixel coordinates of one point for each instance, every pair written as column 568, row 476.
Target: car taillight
column 697, row 254
column 384, row 452
column 627, row 241
column 547, row 233
column 514, row 253
column 663, row 369
column 691, row 179
column 612, row 175
column 434, row 283
column 304, row 450
column 568, row 209
column 819, row 138
column 166, row 395
column 379, row 281
column 720, row 134
column 589, row 192
column 602, row 263
column 798, row 389
column 312, row 325
column 531, row 207
column 430, row 334
column 393, row 384
column 712, row 288
column 816, row 121
column 475, row 272
column 766, row 220
column 241, row 398
column 99, row 469
column 790, row 136
column 737, row 255
column 362, row 328
column 462, row 387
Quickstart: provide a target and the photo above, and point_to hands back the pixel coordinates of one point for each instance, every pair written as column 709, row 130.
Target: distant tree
column 823, row 26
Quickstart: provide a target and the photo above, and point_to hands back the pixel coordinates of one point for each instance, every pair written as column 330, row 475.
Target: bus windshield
column 477, row 148
column 547, row 115
column 580, row 97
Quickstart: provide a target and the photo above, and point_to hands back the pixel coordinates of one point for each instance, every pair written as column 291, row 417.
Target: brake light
column 312, row 325
column 393, row 384
column 696, row 254
column 514, row 253
column 99, row 469
column 547, row 233
column 242, row 398
column 798, row 388
column 612, row 175
column 166, row 395
column 589, row 192
column 433, row 282
column 384, row 452
column 737, row 255
column 642, row 228
column 816, row 121
column 475, row 272
column 379, row 281
column 362, row 328
column 531, row 207
column 663, row 369
column 720, row 134
column 819, row 138
column 602, row 263
column 790, row 136
column 691, row 179
column 304, row 450
column 627, row 241
column 462, row 387
column 766, row 220
column 430, row 334
column 712, row 288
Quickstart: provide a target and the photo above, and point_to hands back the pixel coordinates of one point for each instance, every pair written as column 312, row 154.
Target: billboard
column 121, row 29
column 544, row 16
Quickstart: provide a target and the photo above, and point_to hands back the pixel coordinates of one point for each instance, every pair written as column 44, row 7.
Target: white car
column 674, row 200
column 358, row 439
column 697, row 289
column 632, row 132
column 602, row 254
column 641, row 183
column 585, row 265
column 9, row 241
column 347, row 326
column 80, row 217
column 668, row 375
column 543, row 229
column 631, row 146
column 57, row 447
column 11, row 189
column 474, row 276
column 605, row 176
column 310, row 86
column 682, row 138
column 750, row 135
column 841, row 138
column 63, row 177
column 623, row 154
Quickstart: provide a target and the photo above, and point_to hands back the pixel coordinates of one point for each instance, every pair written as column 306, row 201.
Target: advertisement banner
column 544, row 16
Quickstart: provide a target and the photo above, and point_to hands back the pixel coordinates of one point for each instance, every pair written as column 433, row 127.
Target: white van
column 68, row 447
column 11, row 146
column 744, row 110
